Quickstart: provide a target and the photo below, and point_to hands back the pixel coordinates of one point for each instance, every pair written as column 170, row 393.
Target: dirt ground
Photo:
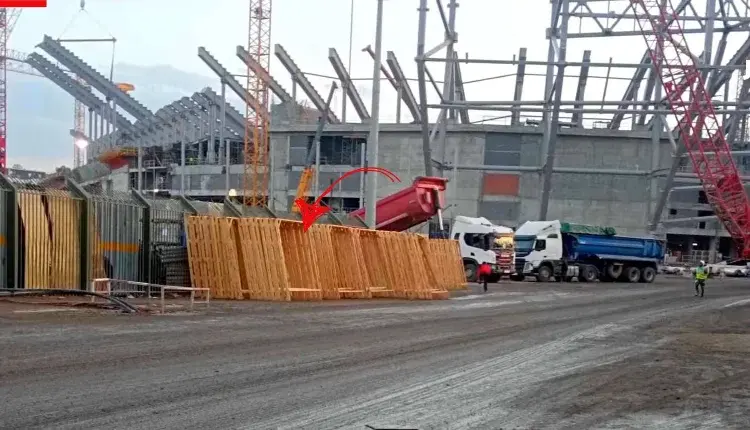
column 523, row 355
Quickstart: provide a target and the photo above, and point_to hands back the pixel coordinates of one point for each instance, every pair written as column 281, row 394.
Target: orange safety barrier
column 272, row 259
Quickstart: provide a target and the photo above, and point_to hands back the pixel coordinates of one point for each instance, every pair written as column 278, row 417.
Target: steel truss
column 643, row 100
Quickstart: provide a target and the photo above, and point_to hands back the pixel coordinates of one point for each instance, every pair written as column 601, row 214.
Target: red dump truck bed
column 411, row 206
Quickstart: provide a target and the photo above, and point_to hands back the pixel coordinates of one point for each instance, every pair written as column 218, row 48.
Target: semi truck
column 562, row 251
column 482, row 242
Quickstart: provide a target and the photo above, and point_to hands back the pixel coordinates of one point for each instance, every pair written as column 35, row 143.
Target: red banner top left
column 22, row 3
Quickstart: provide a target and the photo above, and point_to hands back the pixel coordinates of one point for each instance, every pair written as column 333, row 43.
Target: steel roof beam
column 304, row 83
column 577, row 117
column 232, row 83
column 515, row 116
column 232, row 113
column 346, row 82
column 265, row 75
column 76, row 89
column 236, row 122
column 406, row 94
column 463, row 114
column 383, row 69
column 94, row 78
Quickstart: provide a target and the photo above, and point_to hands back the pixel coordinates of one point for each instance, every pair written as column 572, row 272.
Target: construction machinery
column 698, row 127
column 313, row 148
column 409, row 207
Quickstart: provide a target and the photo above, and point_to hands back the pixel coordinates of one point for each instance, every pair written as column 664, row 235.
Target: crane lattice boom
column 256, row 145
column 5, row 18
column 698, row 127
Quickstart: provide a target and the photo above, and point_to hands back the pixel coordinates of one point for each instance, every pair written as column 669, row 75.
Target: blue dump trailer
column 550, row 250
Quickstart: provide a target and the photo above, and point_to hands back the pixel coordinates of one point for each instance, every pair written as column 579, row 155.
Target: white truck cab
column 476, row 238
column 537, row 242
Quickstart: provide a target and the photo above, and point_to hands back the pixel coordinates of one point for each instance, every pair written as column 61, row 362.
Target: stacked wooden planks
column 273, row 259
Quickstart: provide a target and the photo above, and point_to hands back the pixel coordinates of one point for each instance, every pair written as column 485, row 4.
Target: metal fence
column 63, row 237
column 66, row 235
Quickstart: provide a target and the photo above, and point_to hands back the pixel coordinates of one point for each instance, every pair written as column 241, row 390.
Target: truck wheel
column 648, row 275
column 614, row 271
column 471, row 271
column 544, row 274
column 589, row 273
column 632, row 274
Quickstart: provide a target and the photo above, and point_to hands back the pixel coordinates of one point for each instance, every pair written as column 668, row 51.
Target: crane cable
column 73, row 19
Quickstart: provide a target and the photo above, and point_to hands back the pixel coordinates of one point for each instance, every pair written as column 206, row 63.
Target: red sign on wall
column 23, row 3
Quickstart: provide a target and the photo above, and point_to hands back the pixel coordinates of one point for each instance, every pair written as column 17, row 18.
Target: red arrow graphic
column 312, row 211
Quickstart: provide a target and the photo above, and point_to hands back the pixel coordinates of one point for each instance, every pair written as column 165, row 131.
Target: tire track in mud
column 448, row 399
column 264, row 375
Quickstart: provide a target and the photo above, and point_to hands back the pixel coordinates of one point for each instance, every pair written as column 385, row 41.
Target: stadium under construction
column 592, row 160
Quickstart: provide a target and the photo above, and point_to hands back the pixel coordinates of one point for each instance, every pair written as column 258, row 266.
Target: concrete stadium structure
column 548, row 162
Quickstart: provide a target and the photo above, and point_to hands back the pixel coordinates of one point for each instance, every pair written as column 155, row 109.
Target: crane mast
column 4, row 33
column 694, row 112
column 256, row 144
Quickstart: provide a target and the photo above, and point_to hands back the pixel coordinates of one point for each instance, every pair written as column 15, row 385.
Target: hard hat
column 703, row 263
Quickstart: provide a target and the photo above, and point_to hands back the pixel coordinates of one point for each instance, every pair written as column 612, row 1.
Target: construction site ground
column 524, row 355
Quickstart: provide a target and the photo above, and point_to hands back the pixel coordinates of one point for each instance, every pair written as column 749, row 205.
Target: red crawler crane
column 699, row 129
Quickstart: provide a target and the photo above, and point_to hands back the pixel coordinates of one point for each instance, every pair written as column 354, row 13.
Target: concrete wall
column 618, row 200
column 622, row 201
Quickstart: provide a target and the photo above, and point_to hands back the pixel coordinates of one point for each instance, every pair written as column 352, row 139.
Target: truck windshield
column 524, row 243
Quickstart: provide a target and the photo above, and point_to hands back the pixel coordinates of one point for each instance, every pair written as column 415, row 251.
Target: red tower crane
column 697, row 124
column 8, row 18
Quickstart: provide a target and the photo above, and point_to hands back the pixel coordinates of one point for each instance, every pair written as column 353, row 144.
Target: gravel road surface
column 524, row 355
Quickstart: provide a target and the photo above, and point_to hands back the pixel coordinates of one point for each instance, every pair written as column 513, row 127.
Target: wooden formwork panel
column 261, row 260
column 226, row 257
column 376, row 265
column 353, row 281
column 37, row 241
column 213, row 256
column 198, row 257
column 329, row 267
column 271, row 259
column 64, row 215
column 420, row 282
column 299, row 257
column 444, row 258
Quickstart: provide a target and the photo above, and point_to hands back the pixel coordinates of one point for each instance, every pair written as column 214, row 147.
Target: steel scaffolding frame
column 724, row 17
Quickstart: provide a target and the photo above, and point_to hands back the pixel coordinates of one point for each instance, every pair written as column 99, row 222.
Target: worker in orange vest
column 485, row 270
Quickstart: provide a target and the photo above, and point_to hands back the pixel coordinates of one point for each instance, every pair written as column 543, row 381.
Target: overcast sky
column 151, row 32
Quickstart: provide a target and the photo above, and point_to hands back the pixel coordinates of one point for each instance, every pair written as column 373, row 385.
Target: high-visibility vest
column 701, row 273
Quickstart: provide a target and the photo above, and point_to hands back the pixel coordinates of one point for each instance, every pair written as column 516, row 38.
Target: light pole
column 372, row 140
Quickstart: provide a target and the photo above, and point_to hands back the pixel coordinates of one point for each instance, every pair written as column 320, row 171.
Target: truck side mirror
column 540, row 245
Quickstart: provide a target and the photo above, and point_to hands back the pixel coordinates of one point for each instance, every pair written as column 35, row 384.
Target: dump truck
column 482, row 242
column 562, row 251
column 409, row 207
